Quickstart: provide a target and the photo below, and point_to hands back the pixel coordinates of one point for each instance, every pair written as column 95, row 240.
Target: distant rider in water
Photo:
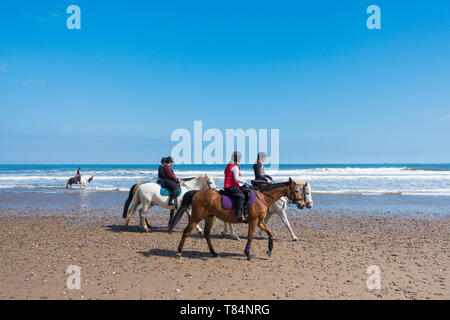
column 78, row 175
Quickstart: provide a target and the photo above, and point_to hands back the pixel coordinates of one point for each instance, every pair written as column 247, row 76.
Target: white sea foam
column 331, row 180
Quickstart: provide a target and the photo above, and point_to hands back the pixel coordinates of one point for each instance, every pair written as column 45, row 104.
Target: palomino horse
column 83, row 181
column 148, row 194
column 208, row 204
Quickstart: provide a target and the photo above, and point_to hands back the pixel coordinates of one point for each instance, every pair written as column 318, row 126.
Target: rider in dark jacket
column 160, row 171
column 171, row 182
column 258, row 168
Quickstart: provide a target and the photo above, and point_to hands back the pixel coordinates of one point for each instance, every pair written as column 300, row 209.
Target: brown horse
column 207, row 204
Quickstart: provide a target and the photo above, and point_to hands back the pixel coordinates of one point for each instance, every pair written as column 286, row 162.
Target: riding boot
column 173, row 201
column 240, row 215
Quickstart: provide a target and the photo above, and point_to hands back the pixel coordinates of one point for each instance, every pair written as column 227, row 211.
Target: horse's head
column 209, row 182
column 300, row 194
column 308, row 195
column 203, row 182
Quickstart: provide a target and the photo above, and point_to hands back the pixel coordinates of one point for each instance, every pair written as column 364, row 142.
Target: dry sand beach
column 329, row 261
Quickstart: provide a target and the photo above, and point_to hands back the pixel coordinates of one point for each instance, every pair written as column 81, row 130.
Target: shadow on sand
column 190, row 254
column 122, row 228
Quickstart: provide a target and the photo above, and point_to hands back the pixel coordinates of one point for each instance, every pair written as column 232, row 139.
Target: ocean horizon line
column 218, row 164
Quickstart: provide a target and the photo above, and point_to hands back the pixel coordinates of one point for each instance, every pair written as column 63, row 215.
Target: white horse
column 84, row 180
column 278, row 208
column 148, row 194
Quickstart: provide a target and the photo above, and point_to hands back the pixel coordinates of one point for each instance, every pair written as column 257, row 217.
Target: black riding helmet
column 169, row 159
column 236, row 156
column 163, row 160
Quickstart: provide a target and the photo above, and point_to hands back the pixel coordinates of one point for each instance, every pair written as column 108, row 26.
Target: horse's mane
column 187, row 179
column 273, row 186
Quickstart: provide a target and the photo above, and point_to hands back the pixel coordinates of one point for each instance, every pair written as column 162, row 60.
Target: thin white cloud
column 31, row 83
column 54, row 15
column 34, row 18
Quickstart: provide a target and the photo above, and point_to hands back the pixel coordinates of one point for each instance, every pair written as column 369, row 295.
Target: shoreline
column 392, row 205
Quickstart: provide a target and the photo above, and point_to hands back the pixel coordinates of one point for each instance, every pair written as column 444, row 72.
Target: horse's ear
column 290, row 180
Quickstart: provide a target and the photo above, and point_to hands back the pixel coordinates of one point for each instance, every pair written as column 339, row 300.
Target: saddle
column 165, row 192
column 74, row 180
column 257, row 184
column 228, row 202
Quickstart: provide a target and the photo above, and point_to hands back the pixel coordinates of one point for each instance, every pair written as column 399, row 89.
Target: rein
column 291, row 191
column 184, row 184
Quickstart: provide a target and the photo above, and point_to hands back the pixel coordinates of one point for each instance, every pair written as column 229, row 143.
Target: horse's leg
column 171, row 216
column 142, row 220
column 209, row 222
column 134, row 204
column 215, row 220
column 225, row 229
column 266, row 220
column 264, row 227
column 186, row 232
column 233, row 233
column 251, row 231
column 197, row 226
column 288, row 225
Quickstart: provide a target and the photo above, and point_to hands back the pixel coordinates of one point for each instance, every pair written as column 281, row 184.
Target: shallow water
column 75, row 201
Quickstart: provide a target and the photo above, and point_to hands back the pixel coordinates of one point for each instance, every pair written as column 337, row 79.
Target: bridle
column 297, row 200
column 209, row 183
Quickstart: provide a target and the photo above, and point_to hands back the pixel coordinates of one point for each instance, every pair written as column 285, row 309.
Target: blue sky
column 137, row 70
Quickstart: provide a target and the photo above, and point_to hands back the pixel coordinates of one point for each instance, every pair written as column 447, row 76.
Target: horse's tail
column 127, row 202
column 187, row 199
column 90, row 179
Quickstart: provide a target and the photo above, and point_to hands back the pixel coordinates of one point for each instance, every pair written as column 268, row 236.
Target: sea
column 360, row 187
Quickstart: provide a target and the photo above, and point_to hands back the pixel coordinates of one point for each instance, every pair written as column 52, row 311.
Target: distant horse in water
column 149, row 195
column 207, row 205
column 83, row 181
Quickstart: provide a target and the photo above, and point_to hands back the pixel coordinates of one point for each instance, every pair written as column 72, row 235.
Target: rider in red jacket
column 233, row 184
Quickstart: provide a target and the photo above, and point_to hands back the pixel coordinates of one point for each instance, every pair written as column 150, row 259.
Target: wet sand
column 329, row 261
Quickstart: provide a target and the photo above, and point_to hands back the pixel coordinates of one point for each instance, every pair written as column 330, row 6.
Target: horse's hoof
column 178, row 255
column 214, row 255
column 269, row 252
column 249, row 258
column 295, row 239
